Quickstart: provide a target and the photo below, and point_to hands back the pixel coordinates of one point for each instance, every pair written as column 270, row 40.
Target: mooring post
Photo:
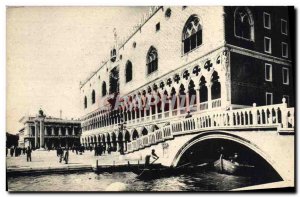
column 97, row 164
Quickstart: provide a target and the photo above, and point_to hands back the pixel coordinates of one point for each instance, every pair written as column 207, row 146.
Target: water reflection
column 201, row 181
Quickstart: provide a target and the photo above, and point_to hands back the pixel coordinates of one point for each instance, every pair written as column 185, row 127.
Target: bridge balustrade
column 251, row 117
column 145, row 140
column 167, row 132
column 129, row 147
column 152, row 139
column 134, row 145
column 140, row 143
column 158, row 135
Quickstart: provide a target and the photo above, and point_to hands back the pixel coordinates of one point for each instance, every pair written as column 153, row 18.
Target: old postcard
column 160, row 98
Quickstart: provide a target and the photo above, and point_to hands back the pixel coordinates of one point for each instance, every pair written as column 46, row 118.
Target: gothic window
column 152, row 60
column 192, row 34
column 85, row 102
column 216, row 86
column 114, row 81
column 103, row 88
column 243, row 24
column 93, row 97
column 203, row 90
column 128, row 71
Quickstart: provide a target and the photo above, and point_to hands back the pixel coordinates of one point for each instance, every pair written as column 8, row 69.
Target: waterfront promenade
column 48, row 161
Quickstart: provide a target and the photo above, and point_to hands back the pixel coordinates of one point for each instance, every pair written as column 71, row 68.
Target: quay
column 46, row 162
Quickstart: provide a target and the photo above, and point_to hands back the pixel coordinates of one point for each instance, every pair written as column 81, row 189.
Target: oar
column 183, row 165
column 145, row 168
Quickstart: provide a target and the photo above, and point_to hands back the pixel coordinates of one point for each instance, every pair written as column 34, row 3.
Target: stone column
column 198, row 98
column 178, row 104
column 187, row 101
column 42, row 140
column 67, row 131
column 59, row 131
column 209, row 95
column 36, row 134
column 52, row 131
column 73, row 131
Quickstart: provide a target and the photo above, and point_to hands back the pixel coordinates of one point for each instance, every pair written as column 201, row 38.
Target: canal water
column 89, row 181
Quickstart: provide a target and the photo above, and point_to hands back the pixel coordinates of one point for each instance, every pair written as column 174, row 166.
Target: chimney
column 60, row 114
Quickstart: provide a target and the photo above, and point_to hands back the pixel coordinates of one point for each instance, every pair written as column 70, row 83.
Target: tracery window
column 244, row 23
column 192, row 34
column 152, row 60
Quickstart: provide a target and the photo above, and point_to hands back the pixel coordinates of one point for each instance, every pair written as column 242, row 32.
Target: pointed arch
column 104, row 88
column 93, row 97
column 243, row 23
column 128, row 71
column 203, row 90
column 216, row 86
column 85, row 102
column 152, row 60
column 192, row 34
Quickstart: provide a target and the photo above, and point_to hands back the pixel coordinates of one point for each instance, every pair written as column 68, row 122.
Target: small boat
column 229, row 167
column 157, row 171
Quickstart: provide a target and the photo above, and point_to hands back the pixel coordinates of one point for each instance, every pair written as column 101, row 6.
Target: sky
column 49, row 50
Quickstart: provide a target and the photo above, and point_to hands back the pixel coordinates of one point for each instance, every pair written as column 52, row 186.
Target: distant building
column 223, row 57
column 41, row 131
column 11, row 140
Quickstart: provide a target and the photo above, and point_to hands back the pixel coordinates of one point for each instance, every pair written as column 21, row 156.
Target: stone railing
column 271, row 116
column 216, row 103
column 204, row 106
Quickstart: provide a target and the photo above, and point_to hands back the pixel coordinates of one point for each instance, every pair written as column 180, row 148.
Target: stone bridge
column 268, row 131
column 265, row 131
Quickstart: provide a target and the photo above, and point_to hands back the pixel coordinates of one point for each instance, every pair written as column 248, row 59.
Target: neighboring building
column 224, row 57
column 41, row 131
column 11, row 140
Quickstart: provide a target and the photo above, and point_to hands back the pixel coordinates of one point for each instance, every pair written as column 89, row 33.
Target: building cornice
column 258, row 55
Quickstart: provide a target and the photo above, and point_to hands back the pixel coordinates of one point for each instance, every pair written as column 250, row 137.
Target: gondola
column 157, row 171
column 234, row 168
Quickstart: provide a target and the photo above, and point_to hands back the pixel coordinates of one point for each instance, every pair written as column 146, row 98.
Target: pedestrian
column 61, row 155
column 154, row 156
column 12, row 151
column 6, row 151
column 57, row 151
column 28, row 154
column 24, row 150
column 188, row 115
column 66, row 158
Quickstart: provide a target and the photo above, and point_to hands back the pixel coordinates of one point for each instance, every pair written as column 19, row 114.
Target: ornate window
column 192, row 34
column 93, row 97
column 103, row 88
column 85, row 102
column 152, row 60
column 243, row 23
column 128, row 71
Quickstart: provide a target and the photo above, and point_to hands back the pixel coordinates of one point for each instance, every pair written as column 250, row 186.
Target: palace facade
column 46, row 132
column 201, row 58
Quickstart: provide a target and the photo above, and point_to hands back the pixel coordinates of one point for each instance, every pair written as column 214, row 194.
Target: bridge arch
column 223, row 135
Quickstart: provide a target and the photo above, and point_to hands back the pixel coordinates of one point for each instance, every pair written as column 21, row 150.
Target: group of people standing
column 17, row 151
column 63, row 154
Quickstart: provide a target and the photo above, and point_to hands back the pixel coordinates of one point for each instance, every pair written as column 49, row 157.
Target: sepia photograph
column 150, row 98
